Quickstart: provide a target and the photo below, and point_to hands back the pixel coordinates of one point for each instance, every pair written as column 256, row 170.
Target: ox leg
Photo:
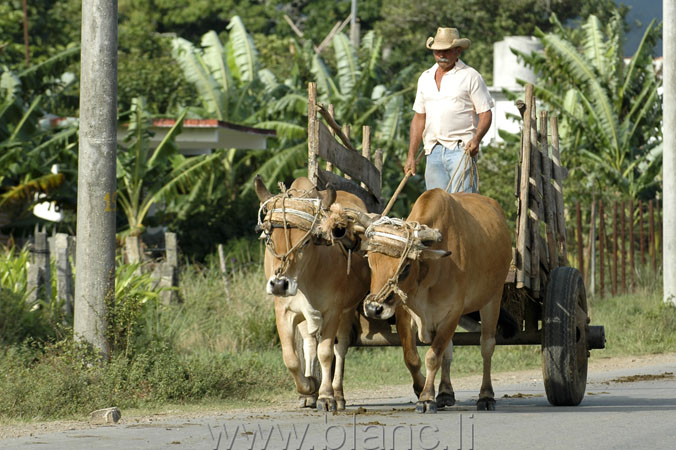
column 310, row 357
column 340, row 348
column 408, row 345
column 326, row 401
column 446, row 396
column 489, row 322
column 433, row 357
column 286, row 322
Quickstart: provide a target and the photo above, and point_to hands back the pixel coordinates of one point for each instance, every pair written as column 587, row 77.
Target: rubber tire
column 564, row 342
column 298, row 345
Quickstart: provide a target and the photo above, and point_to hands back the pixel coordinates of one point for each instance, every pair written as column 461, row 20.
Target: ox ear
column 429, row 254
column 261, row 191
column 328, row 196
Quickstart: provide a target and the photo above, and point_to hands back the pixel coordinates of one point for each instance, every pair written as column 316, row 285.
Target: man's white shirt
column 451, row 111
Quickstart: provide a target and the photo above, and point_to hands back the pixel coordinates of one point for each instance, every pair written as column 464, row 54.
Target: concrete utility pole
column 354, row 26
column 669, row 152
column 96, row 186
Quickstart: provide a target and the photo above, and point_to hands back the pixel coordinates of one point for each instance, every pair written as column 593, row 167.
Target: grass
column 219, row 349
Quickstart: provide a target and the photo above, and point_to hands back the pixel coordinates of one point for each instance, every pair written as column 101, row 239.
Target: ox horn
column 261, row 191
column 364, row 220
column 428, row 235
column 328, row 196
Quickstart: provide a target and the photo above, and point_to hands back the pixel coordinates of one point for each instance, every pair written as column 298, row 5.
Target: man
column 452, row 114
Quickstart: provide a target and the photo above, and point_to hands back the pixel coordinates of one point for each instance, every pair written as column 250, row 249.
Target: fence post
column 640, row 232
column 602, row 244
column 580, row 254
column 65, row 289
column 592, row 249
column 623, row 248
column 651, row 212
column 614, row 290
column 39, row 271
column 632, row 266
column 169, row 270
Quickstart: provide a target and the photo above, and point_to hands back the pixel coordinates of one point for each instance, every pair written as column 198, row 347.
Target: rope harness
column 467, row 162
column 287, row 211
column 399, row 239
column 296, row 209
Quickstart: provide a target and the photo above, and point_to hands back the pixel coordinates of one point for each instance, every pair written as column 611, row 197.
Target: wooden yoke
column 365, row 179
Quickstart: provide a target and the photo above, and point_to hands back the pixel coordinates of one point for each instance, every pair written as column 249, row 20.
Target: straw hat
column 447, row 38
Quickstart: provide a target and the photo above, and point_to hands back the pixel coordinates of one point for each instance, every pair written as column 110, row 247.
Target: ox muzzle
column 379, row 310
column 281, row 286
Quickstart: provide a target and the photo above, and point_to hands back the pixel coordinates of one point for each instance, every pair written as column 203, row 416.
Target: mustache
column 444, row 60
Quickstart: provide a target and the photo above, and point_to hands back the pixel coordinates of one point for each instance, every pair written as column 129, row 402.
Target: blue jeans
column 446, row 163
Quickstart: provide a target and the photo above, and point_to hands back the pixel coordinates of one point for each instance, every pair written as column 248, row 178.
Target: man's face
column 447, row 58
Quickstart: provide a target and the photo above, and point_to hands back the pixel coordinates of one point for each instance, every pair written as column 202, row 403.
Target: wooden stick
column 402, row 183
column 549, row 199
column 224, row 271
column 336, row 128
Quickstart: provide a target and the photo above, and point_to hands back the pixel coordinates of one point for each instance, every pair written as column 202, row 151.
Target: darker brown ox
column 431, row 287
column 313, row 291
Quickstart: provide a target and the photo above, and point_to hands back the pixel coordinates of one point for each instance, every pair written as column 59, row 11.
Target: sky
column 643, row 11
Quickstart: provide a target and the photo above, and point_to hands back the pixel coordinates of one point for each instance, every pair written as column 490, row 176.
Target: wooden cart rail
column 362, row 176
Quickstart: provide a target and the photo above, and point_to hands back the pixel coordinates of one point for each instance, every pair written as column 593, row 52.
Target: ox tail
column 508, row 326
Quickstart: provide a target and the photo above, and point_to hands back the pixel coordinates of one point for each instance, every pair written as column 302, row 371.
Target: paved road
column 617, row 413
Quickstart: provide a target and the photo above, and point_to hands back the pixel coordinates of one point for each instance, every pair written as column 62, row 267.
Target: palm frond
column 594, row 45
column 284, row 130
column 196, row 72
column 326, row 87
column 280, row 166
column 216, row 60
column 347, row 63
column 244, row 51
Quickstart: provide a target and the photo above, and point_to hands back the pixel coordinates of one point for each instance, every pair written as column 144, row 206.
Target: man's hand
column 410, row 165
column 472, row 148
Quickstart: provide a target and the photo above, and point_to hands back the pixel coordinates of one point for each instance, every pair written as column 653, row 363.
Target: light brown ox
column 430, row 288
column 312, row 288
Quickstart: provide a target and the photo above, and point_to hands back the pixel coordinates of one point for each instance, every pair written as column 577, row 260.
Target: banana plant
column 147, row 175
column 611, row 127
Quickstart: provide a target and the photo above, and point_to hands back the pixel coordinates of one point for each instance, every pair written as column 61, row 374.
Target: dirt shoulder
column 596, row 366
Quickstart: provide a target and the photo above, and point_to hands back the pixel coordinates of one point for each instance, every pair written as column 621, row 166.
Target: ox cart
column 544, row 295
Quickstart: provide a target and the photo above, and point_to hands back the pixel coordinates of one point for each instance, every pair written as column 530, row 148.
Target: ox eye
column 404, row 272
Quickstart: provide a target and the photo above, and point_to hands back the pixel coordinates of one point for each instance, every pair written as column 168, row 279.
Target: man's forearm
column 485, row 119
column 416, row 132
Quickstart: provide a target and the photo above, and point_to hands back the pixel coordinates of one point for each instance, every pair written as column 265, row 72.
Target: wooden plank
column 535, row 202
column 337, row 129
column 373, row 204
column 312, row 133
column 352, row 163
column 329, row 164
column 549, row 199
column 558, row 191
column 602, row 248
column 366, row 146
column 65, row 287
column 523, row 258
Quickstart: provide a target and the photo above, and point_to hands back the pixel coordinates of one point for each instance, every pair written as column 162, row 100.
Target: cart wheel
column 564, row 344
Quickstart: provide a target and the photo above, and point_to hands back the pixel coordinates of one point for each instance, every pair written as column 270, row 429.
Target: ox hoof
column 445, row 399
column 340, row 404
column 485, row 404
column 307, row 401
column 326, row 405
column 429, row 407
